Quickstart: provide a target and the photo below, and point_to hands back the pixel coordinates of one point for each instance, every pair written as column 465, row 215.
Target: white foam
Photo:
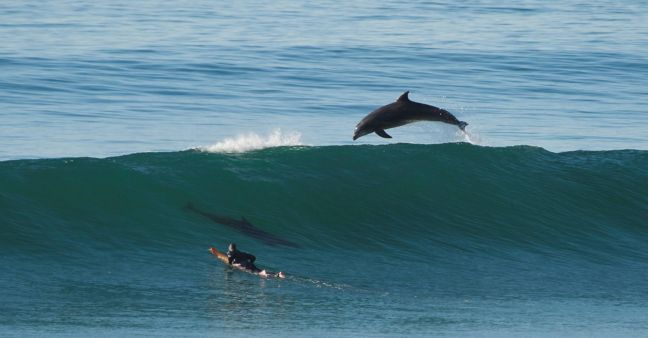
column 252, row 141
column 471, row 137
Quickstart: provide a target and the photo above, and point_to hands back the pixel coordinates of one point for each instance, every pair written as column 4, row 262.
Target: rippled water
column 512, row 241
column 111, row 78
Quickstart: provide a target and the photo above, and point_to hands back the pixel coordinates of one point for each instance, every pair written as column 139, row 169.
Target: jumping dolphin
column 402, row 112
column 244, row 226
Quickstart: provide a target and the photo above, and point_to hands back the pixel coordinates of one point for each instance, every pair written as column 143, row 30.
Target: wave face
column 437, row 236
column 432, row 200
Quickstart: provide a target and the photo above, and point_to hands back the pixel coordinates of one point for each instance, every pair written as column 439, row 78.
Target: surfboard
column 221, row 256
column 263, row 273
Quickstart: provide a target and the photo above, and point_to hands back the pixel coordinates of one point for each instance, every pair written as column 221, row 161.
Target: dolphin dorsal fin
column 404, row 97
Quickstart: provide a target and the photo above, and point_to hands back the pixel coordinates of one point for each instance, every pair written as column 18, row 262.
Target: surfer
column 245, row 261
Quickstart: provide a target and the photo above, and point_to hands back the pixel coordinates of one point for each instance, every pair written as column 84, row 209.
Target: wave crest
column 252, row 141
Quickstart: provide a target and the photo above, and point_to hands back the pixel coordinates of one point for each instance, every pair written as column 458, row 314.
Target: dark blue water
column 521, row 233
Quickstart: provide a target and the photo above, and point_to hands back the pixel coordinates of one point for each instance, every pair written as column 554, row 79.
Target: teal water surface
column 127, row 127
column 471, row 239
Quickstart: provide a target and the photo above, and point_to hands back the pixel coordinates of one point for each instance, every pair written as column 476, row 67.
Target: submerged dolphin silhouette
column 244, row 226
column 402, row 112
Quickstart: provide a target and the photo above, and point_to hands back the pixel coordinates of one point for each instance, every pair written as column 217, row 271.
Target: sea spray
column 252, row 141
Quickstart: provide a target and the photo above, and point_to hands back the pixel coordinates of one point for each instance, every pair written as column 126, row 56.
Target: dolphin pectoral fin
column 382, row 133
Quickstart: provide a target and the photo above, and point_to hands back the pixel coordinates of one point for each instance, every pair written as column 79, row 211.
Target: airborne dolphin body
column 402, row 112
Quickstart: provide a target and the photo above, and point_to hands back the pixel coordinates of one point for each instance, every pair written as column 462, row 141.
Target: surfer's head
column 232, row 247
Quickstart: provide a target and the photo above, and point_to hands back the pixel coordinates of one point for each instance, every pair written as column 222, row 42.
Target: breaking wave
column 252, row 141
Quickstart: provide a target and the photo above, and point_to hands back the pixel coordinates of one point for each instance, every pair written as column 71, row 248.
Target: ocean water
column 126, row 128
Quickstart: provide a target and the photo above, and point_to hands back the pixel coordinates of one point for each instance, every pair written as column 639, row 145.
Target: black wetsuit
column 244, row 259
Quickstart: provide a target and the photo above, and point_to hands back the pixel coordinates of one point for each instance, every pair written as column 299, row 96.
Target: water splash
column 470, row 136
column 252, row 141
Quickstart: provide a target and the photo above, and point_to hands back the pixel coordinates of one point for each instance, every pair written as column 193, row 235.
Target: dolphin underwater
column 402, row 112
column 244, row 226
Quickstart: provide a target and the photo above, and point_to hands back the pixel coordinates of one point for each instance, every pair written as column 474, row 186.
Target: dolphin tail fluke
column 462, row 125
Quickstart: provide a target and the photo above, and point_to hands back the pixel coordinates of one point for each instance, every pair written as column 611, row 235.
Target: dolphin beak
column 357, row 133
